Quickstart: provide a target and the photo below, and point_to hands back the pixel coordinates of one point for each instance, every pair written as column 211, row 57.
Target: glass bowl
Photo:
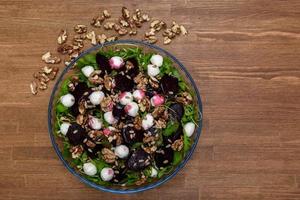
column 57, row 143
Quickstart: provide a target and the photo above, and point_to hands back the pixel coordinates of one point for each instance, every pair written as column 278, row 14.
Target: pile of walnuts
column 127, row 24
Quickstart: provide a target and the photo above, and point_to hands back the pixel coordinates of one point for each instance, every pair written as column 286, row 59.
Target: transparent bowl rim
column 141, row 188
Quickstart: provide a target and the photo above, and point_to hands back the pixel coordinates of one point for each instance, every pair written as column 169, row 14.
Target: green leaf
column 172, row 126
column 182, row 86
column 60, row 108
column 177, row 157
column 136, row 145
column 166, row 67
column 99, row 163
column 165, row 170
column 64, row 88
column 189, row 114
column 187, row 143
column 147, row 171
column 132, row 177
column 66, row 150
column 89, row 59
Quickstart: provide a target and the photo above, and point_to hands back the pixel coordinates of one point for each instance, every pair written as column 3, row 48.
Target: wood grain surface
column 244, row 57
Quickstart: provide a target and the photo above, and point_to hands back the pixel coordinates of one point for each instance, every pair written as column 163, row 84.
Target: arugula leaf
column 66, row 150
column 165, row 170
column 177, row 157
column 60, row 108
column 166, row 67
column 182, row 86
column 64, row 88
column 132, row 177
column 99, row 163
column 144, row 60
column 172, row 126
column 89, row 59
column 187, row 143
column 136, row 145
column 147, row 171
column 189, row 113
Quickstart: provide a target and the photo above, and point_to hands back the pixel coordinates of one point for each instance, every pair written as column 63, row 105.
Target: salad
column 125, row 117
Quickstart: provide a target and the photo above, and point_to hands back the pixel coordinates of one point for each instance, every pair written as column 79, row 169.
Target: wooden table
column 244, row 57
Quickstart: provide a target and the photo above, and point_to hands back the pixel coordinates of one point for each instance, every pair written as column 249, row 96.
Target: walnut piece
column 125, row 13
column 62, row 38
column 177, row 144
column 151, row 39
column 106, row 14
column 76, row 151
column 65, row 49
column 122, row 31
column 145, row 104
column 33, row 87
column 107, row 82
column 160, row 123
column 158, row 111
column 167, row 40
column 112, row 38
column 95, row 77
column 79, row 28
column 92, row 36
column 106, row 104
column 49, row 59
column 137, row 123
column 109, row 25
column 101, row 38
column 108, row 155
column 183, row 30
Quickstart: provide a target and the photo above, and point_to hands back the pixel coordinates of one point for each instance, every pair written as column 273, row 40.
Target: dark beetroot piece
column 103, row 62
column 138, row 160
column 169, row 84
column 123, row 83
column 118, row 111
column 176, row 111
column 120, row 176
column 76, row 134
column 130, row 135
column 163, row 157
column 133, row 66
column 91, row 147
column 175, row 136
column 150, row 92
column 78, row 93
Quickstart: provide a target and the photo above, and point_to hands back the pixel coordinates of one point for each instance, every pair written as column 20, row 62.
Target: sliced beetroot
column 138, row 160
column 133, row 64
column 76, row 134
column 118, row 111
column 130, row 135
column 163, row 157
column 150, row 92
column 81, row 90
column 120, row 176
column 176, row 111
column 123, row 83
column 91, row 148
column 103, row 62
column 169, row 84
column 175, row 136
